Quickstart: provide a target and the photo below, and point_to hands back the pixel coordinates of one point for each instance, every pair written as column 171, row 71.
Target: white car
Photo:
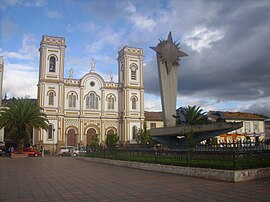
column 66, row 150
column 79, row 151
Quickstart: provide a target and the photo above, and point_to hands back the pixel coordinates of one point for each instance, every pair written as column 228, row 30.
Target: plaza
column 69, row 179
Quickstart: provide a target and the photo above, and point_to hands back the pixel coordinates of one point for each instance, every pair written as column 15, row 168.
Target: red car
column 30, row 152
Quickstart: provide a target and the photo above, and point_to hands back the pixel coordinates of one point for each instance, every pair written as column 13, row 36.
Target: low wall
column 215, row 174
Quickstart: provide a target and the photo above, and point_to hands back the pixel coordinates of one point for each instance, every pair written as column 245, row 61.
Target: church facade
column 80, row 109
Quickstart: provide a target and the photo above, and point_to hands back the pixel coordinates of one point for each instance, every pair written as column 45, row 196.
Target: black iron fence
column 231, row 156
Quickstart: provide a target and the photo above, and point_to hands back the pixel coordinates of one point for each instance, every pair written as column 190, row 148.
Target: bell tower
column 52, row 55
column 131, row 92
column 51, row 84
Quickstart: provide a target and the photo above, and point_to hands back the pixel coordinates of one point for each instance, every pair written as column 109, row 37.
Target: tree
column 194, row 115
column 112, row 140
column 143, row 135
column 95, row 143
column 20, row 116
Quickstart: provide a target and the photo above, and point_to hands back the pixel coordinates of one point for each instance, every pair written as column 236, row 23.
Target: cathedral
column 80, row 109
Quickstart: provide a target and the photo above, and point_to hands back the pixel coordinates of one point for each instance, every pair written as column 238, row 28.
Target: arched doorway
column 110, row 132
column 91, row 132
column 71, row 137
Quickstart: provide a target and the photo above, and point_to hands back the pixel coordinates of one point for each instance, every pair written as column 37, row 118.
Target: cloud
column 7, row 29
column 260, row 106
column 9, row 3
column 13, row 2
column 227, row 42
column 140, row 21
column 20, row 80
column 228, row 54
column 103, row 12
column 202, row 38
column 39, row 3
column 20, row 70
column 28, row 50
column 152, row 102
column 86, row 27
column 54, row 14
column 105, row 38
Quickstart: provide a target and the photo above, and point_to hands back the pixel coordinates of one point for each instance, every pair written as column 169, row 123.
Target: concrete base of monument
column 175, row 137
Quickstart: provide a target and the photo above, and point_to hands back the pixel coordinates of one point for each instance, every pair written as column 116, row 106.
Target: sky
column 228, row 67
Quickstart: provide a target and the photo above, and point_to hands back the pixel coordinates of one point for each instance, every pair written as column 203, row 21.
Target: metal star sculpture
column 169, row 52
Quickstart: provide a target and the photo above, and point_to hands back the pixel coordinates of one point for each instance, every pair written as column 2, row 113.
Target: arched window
column 134, row 131
column 110, row 101
column 50, row 132
column 51, row 98
column 72, row 100
column 92, row 101
column 87, row 102
column 134, row 102
column 122, row 72
column 133, row 69
column 52, row 64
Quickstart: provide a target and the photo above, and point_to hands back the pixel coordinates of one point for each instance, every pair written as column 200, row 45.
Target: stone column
column 168, row 90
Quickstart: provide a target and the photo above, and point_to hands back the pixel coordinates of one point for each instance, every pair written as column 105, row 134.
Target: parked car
column 66, row 150
column 79, row 151
column 29, row 151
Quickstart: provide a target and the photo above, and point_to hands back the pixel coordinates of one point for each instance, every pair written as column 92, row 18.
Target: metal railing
column 231, row 156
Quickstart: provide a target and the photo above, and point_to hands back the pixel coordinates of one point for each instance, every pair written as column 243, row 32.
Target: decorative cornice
column 130, row 51
column 53, row 40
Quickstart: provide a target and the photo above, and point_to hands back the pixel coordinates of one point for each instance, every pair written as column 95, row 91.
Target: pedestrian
column 9, row 151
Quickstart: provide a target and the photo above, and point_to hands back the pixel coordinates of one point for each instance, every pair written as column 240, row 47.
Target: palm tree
column 21, row 116
column 194, row 115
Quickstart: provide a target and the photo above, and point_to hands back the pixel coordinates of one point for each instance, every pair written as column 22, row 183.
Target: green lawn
column 228, row 161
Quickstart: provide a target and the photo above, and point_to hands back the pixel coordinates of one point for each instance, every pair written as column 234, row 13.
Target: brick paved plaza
column 69, row 179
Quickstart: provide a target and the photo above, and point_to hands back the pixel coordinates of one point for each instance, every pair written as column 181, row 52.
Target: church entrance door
column 90, row 135
column 71, row 137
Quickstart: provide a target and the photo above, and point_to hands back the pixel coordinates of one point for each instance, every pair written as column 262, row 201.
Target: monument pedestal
column 175, row 137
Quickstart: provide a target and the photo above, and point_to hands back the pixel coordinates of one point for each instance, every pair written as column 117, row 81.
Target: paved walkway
column 69, row 179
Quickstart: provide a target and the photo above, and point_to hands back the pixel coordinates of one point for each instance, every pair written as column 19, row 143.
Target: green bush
column 111, row 141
